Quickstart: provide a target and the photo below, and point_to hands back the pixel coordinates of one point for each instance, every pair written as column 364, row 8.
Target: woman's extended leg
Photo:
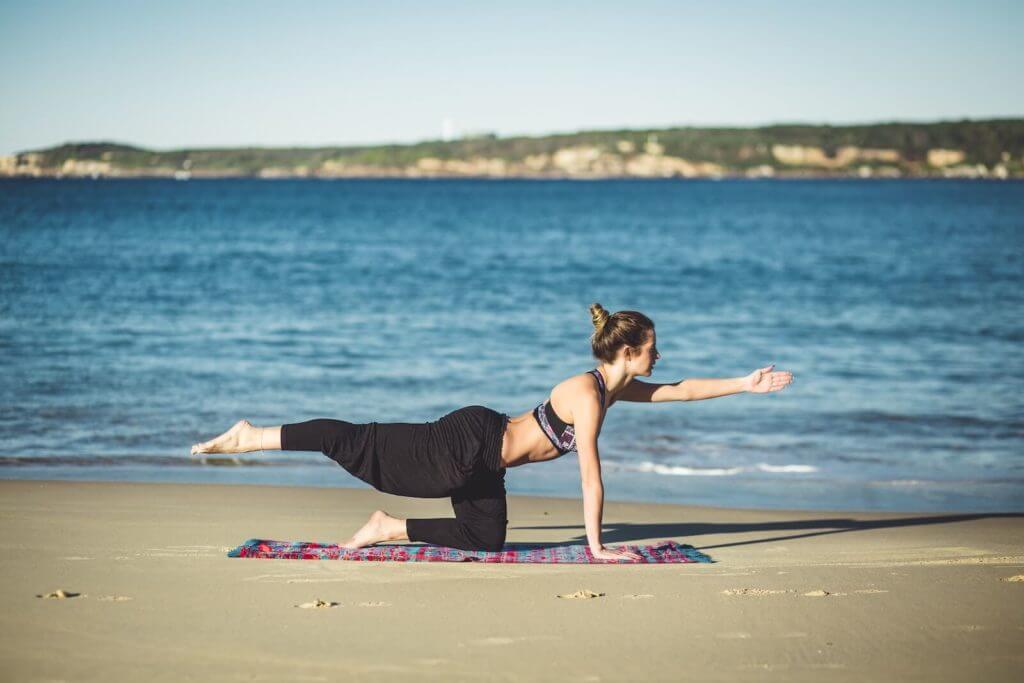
column 244, row 437
column 408, row 459
column 400, row 458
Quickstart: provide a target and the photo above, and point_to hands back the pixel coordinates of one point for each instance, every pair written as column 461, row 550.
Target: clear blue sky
column 175, row 74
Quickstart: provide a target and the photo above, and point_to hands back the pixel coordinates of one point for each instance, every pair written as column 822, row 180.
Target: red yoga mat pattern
column 664, row 552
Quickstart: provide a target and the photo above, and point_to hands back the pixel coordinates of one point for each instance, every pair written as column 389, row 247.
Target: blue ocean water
column 140, row 316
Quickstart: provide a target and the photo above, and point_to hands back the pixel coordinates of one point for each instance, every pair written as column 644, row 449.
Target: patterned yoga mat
column 665, row 552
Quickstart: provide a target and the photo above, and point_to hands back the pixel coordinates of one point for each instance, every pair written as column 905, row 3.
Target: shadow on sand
column 807, row 528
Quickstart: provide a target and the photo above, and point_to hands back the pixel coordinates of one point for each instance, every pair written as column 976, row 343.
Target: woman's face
column 647, row 355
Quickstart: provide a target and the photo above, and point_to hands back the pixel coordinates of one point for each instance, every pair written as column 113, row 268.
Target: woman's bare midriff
column 524, row 442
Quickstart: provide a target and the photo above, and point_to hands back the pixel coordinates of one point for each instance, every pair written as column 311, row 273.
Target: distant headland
column 973, row 149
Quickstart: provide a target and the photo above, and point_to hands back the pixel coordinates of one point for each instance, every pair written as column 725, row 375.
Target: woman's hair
column 612, row 332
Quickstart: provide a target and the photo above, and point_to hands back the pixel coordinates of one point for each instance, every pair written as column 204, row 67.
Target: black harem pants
column 457, row 456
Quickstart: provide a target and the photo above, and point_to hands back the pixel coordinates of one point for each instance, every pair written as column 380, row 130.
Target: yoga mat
column 665, row 552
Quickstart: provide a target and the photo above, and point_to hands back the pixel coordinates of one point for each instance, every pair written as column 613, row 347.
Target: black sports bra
column 562, row 435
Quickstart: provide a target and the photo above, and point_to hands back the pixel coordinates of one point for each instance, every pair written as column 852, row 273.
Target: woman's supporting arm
column 593, row 510
column 586, row 414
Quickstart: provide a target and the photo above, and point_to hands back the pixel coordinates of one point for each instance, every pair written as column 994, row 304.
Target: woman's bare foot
column 242, row 438
column 380, row 527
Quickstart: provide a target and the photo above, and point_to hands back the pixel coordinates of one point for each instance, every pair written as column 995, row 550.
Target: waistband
column 479, row 424
column 492, row 446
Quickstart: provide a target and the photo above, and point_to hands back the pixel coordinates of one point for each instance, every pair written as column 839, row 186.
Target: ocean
column 138, row 317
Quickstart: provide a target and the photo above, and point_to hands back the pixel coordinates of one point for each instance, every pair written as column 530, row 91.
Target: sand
column 148, row 593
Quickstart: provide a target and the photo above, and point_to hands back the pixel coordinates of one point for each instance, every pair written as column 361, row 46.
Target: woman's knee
column 489, row 535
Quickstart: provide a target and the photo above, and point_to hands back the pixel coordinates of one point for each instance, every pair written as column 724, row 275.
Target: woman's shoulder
column 580, row 378
column 577, row 386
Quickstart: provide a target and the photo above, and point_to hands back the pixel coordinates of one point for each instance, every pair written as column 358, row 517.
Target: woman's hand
column 604, row 553
column 764, row 380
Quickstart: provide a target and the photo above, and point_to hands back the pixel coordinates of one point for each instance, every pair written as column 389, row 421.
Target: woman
column 465, row 453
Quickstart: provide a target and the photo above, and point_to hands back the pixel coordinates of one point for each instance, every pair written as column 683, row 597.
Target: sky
column 167, row 75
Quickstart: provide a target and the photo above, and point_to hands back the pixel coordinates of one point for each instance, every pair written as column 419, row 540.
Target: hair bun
column 629, row 328
column 599, row 316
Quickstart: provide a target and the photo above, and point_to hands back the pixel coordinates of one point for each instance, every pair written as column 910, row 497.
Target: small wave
column 683, row 471
column 950, row 483
column 764, row 467
column 687, row 471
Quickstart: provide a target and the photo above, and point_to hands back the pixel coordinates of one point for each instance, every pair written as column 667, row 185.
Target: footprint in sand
column 182, row 551
column 432, row 661
column 1016, row 579
column 755, row 591
column 821, row 594
column 581, row 595
column 495, row 640
column 59, row 594
column 509, row 640
column 319, row 604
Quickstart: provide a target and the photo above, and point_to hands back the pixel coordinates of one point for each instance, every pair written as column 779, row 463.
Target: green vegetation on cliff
column 904, row 147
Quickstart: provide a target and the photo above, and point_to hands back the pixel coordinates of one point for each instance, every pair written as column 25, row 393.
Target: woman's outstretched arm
column 696, row 389
column 759, row 381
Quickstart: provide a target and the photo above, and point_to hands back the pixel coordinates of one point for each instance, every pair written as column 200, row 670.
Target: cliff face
column 795, row 155
column 986, row 149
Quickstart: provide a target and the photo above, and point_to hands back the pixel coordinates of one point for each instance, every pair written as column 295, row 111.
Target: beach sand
column 792, row 595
